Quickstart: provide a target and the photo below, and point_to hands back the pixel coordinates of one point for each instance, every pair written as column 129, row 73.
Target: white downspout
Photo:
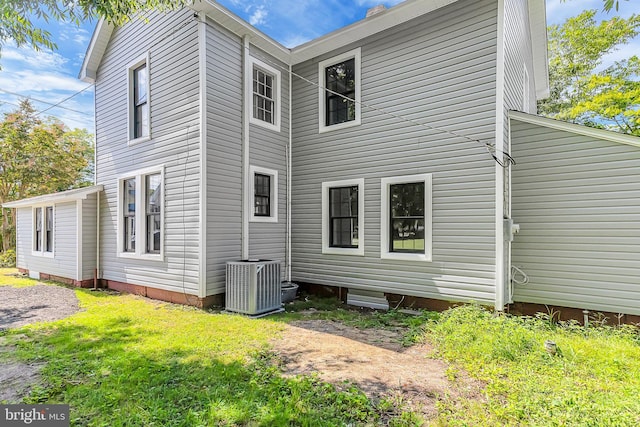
column 246, row 197
column 289, row 168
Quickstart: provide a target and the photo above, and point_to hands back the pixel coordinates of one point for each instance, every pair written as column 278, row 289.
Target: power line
column 44, row 102
column 65, row 100
column 506, row 160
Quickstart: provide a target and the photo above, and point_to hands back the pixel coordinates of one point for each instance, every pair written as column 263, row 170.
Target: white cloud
column 43, row 59
column 372, row 3
column 259, row 16
column 35, row 81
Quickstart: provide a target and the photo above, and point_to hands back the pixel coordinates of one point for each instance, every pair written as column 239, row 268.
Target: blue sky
column 51, row 76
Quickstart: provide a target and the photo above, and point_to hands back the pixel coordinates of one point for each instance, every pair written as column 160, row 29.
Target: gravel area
column 40, row 303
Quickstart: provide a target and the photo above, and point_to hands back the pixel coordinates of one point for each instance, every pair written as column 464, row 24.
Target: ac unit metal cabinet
column 253, row 287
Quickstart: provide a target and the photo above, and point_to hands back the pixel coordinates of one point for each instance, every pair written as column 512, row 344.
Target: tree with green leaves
column 39, row 157
column 580, row 90
column 16, row 15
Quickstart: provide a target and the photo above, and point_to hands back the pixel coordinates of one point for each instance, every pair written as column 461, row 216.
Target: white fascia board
column 235, row 24
column 379, row 22
column 538, row 28
column 95, row 51
column 606, row 135
column 49, row 199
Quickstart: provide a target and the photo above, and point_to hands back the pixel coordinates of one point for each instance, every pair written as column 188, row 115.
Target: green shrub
column 8, row 259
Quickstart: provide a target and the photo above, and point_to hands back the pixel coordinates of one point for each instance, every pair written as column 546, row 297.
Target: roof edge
column 64, row 196
column 366, row 27
column 607, row 135
column 97, row 47
column 538, row 29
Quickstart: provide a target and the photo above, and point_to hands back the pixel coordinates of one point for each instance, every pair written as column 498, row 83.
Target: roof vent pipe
column 375, row 10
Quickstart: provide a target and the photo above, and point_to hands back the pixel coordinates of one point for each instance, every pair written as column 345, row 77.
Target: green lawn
column 128, row 361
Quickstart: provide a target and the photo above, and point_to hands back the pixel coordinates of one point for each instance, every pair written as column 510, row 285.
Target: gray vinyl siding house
column 198, row 167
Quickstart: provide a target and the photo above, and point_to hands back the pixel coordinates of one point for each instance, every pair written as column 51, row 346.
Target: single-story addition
column 375, row 160
column 57, row 235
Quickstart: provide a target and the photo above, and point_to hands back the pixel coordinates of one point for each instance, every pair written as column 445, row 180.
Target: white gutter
column 289, row 167
column 246, row 197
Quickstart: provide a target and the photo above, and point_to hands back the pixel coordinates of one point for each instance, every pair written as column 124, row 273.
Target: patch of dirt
column 20, row 307
column 39, row 303
column 374, row 360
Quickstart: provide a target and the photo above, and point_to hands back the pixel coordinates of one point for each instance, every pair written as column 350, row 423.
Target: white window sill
column 270, row 219
column 343, row 251
column 339, row 126
column 147, row 257
column 42, row 254
column 139, row 140
column 263, row 124
column 406, row 256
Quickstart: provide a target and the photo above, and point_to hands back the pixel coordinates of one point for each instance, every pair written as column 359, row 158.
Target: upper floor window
column 264, row 189
column 140, row 223
column 343, row 217
column 265, row 95
column 406, row 218
column 139, row 116
column 43, row 230
column 340, row 91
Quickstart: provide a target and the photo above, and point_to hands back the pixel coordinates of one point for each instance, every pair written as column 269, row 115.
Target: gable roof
column 397, row 15
column 607, row 135
column 64, row 196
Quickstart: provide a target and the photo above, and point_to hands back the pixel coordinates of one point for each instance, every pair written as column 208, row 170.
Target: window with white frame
column 339, row 79
column 265, row 95
column 141, row 206
column 139, row 113
column 405, row 218
column 43, row 229
column 264, row 191
column 343, row 217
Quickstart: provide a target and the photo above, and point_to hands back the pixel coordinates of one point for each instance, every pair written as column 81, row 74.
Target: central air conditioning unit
column 253, row 287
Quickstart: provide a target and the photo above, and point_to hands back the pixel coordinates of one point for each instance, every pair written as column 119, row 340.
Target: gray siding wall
column 172, row 44
column 224, row 159
column 268, row 149
column 63, row 263
column 577, row 200
column 440, row 70
column 518, row 56
column 224, row 153
column 89, row 237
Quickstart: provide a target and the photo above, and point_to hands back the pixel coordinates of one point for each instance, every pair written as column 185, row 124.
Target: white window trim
column 384, row 218
column 326, row 239
column 253, row 170
column 356, row 54
column 254, row 62
column 141, row 235
column 43, row 252
column 130, row 116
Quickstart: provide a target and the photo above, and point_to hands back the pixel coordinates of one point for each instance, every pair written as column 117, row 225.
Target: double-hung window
column 343, row 217
column 139, row 113
column 406, row 218
column 264, row 87
column 264, row 192
column 43, row 229
column 140, row 223
column 340, row 91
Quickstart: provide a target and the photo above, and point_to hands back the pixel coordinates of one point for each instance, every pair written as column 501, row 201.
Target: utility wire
column 65, row 100
column 43, row 102
column 506, row 160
